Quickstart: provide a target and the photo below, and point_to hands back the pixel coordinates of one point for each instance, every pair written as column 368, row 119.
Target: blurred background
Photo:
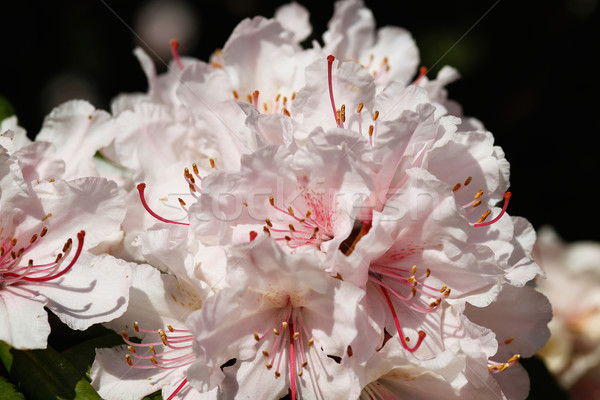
column 529, row 73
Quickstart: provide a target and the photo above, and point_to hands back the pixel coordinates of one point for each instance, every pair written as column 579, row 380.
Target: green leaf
column 154, row 396
column 8, row 391
column 6, row 109
column 85, row 391
column 44, row 374
column 82, row 355
column 5, row 355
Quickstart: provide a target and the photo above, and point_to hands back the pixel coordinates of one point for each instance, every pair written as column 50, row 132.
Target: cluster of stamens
column 378, row 69
column 495, row 367
column 281, row 104
column 382, row 275
column 305, row 229
column 476, row 202
column 11, row 255
column 291, row 332
column 173, row 350
column 339, row 114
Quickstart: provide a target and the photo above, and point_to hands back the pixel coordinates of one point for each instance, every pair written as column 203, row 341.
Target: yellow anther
column 343, row 113
column 370, row 130
column 443, row 289
column 275, row 332
column 265, row 353
column 269, row 366
column 375, row 115
column 128, row 358
column 308, row 214
column 170, row 328
column 284, row 326
column 360, row 107
column 256, row 337
column 484, row 216
column 291, row 210
column 131, row 349
column 413, row 270
column 195, row 168
column 477, row 203
column 212, row 162
column 125, row 335
column 292, row 229
column 478, row 194
column 311, row 342
column 153, row 360
column 163, row 336
column 296, row 335
column 272, row 201
column 268, row 222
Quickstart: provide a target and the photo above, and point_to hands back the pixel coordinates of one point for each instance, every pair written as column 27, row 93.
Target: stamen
column 141, row 187
column 174, row 51
column 480, row 223
column 422, row 334
column 330, row 59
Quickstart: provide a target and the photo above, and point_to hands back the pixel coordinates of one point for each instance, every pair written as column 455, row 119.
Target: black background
column 529, row 72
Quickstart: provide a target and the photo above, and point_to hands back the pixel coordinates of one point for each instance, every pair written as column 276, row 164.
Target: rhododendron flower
column 572, row 274
column 46, row 231
column 285, row 318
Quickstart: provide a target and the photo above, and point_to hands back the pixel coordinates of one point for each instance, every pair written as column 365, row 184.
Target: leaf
column 44, row 374
column 5, row 355
column 8, row 391
column 6, row 109
column 82, row 355
column 85, row 391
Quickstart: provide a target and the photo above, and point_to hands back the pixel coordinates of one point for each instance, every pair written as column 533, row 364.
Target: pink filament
column 399, row 328
column 292, row 364
column 141, row 187
column 174, row 45
column 504, row 207
column 330, row 59
column 181, row 385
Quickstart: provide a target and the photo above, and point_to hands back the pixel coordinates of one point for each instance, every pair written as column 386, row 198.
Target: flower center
column 387, row 278
column 279, row 105
column 301, row 229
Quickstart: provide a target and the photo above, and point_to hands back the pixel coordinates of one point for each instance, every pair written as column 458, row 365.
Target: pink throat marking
column 336, row 116
column 174, row 50
column 11, row 272
column 480, row 223
column 141, row 187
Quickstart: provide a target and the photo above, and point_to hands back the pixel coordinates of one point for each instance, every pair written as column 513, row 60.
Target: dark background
column 528, row 72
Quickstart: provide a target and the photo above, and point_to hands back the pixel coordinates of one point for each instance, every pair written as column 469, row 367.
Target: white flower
column 572, row 287
column 40, row 263
column 281, row 310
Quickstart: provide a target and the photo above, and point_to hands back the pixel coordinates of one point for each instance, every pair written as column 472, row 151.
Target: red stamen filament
column 32, row 272
column 338, row 121
column 174, row 50
column 422, row 72
column 504, row 207
column 399, row 328
column 141, row 187
column 181, row 385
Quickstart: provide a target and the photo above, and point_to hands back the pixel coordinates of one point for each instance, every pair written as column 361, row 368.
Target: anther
column 308, row 214
column 311, row 342
column 195, row 168
column 375, row 116
column 272, row 201
column 296, row 335
column 370, row 130
column 291, row 210
column 509, row 340
column 235, row 95
column 170, row 328
column 477, row 203
column 256, row 337
column 484, row 216
column 136, row 326
column 286, row 112
column 284, row 326
column 265, row 353
column 428, row 272
column 131, row 349
column 212, row 162
column 152, row 349
column 277, row 374
column 478, row 194
column 292, row 229
column 13, row 242
column 153, row 360
column 413, row 270
column 44, row 231
column 125, row 335
column 456, row 187
column 269, row 366
column 181, row 201
column 343, row 113
column 33, row 238
column 360, row 107
column 275, row 332
column 443, row 289
column 163, row 336
column 469, row 179
column 128, row 359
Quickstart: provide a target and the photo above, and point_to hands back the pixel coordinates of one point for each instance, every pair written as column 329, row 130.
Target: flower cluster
column 306, row 222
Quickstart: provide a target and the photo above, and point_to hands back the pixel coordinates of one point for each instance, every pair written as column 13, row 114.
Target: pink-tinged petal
column 510, row 317
column 90, row 204
column 12, row 136
column 77, row 130
column 114, row 379
column 95, row 290
column 393, row 58
column 39, row 161
column 24, row 320
column 514, row 382
column 350, row 31
column 294, row 18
